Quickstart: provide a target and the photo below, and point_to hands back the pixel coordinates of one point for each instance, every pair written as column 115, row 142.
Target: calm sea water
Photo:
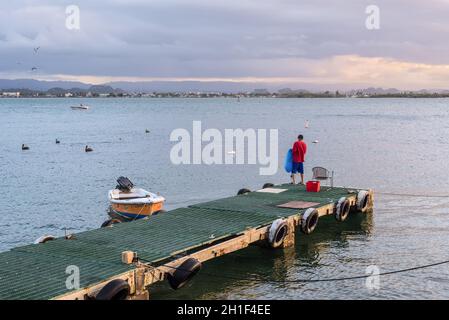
column 390, row 145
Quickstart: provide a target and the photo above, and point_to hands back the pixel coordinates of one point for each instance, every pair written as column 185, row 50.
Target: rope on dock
column 316, row 280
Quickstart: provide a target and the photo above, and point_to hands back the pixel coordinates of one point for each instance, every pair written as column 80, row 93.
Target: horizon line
column 246, row 80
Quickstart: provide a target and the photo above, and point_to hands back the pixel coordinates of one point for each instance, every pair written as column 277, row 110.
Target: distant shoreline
column 163, row 96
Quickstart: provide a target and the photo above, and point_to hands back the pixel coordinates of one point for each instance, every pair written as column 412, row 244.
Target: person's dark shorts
column 298, row 167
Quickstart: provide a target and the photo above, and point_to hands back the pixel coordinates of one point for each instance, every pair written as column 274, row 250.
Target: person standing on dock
column 299, row 152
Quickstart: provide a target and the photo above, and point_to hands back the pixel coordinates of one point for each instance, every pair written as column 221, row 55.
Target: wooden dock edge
column 144, row 275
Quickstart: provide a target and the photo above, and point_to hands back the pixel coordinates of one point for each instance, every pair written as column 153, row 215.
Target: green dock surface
column 38, row 271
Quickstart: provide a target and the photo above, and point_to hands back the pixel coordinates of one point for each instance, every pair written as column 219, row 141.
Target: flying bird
column 36, row 49
column 33, row 68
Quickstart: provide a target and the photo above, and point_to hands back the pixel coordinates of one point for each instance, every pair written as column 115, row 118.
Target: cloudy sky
column 302, row 42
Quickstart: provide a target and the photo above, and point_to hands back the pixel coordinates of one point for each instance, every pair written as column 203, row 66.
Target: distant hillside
column 288, row 91
column 227, row 87
column 374, row 91
column 103, row 89
column 141, row 86
column 185, row 86
column 39, row 85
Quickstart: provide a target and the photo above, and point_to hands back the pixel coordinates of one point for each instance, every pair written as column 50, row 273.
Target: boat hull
column 136, row 211
column 79, row 108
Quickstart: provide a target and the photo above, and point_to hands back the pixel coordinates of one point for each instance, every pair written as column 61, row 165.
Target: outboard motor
column 124, row 184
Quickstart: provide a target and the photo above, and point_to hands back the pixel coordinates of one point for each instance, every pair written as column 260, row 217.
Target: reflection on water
column 255, row 266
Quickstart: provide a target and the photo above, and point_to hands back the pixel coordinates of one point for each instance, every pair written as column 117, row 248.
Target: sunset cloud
column 332, row 73
column 317, row 43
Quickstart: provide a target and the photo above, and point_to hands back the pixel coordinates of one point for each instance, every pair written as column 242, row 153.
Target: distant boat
column 80, row 107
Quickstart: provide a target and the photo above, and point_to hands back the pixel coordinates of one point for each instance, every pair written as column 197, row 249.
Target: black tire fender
column 110, row 223
column 309, row 220
column 243, row 191
column 117, row 289
column 184, row 273
column 44, row 239
column 277, row 233
column 363, row 200
column 268, row 185
column 342, row 209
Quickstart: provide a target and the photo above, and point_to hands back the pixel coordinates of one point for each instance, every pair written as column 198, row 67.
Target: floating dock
column 170, row 245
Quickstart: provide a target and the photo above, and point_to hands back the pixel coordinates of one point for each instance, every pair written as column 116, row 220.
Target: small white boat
column 80, row 107
column 133, row 203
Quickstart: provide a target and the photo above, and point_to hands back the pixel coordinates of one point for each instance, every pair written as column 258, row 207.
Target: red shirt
column 299, row 151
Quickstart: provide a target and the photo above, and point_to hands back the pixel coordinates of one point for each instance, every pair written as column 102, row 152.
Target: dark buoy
column 88, row 149
column 57, row 141
column 25, row 147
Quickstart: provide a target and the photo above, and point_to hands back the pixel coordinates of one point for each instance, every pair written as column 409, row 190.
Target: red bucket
column 313, row 186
